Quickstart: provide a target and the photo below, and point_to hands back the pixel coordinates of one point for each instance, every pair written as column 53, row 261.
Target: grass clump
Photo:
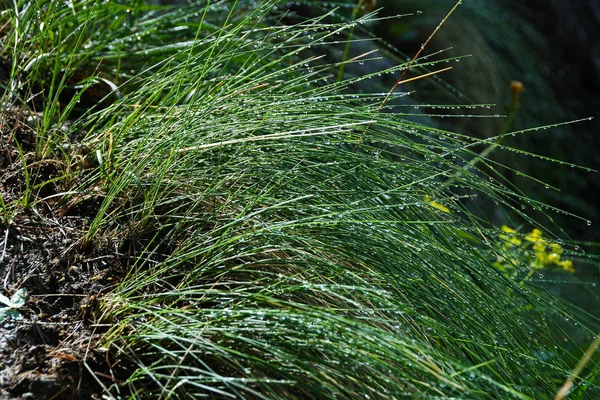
column 277, row 250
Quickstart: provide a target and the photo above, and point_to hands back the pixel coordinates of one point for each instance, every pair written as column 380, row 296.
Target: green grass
column 278, row 254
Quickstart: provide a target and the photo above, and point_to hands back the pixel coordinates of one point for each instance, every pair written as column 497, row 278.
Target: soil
column 53, row 350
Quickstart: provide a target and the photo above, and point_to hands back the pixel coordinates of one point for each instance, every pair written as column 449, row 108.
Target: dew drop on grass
column 589, row 223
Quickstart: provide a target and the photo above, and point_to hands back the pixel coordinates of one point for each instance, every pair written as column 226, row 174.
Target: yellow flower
column 534, row 236
column 507, row 229
column 567, row 265
column 553, row 258
column 541, row 257
column 516, row 241
column 539, row 247
column 556, row 248
column 539, row 252
column 510, row 239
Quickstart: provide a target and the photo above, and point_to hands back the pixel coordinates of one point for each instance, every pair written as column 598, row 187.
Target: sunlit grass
column 281, row 249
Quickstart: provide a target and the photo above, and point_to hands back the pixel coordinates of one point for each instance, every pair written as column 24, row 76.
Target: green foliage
column 280, row 255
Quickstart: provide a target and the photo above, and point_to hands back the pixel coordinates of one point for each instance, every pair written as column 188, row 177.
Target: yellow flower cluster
column 544, row 253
